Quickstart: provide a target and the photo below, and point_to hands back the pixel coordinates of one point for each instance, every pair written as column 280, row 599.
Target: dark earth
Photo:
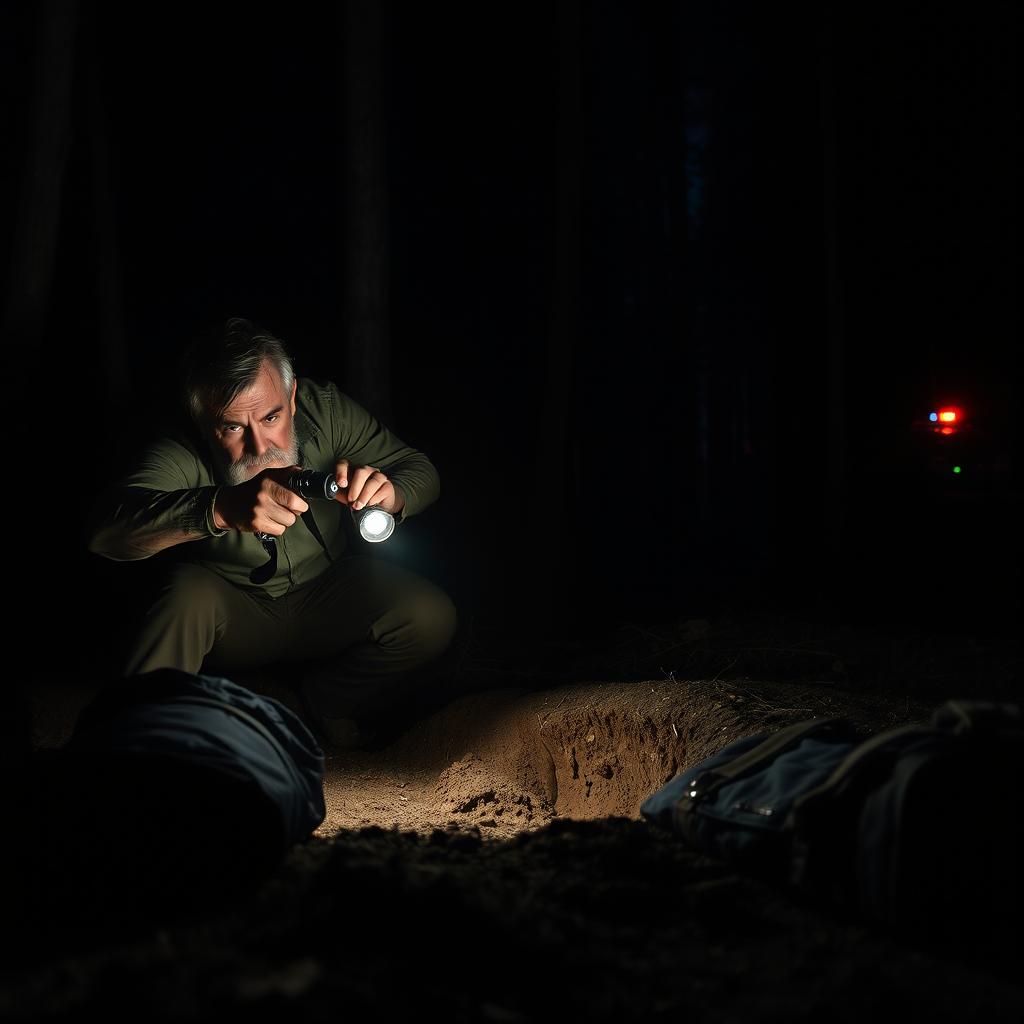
column 489, row 861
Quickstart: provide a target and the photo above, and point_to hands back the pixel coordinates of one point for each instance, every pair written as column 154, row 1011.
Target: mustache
column 272, row 454
column 248, row 465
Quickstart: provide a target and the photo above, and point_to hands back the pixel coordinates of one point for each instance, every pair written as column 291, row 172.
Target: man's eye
column 270, row 419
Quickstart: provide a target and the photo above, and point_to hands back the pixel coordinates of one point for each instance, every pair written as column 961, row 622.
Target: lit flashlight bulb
column 376, row 525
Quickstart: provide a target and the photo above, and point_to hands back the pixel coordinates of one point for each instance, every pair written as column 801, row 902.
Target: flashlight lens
column 375, row 523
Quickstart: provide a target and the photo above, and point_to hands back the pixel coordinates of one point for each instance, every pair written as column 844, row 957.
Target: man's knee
column 182, row 624
column 192, row 589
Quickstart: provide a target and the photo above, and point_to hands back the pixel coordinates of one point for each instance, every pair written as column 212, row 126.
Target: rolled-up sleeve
column 135, row 517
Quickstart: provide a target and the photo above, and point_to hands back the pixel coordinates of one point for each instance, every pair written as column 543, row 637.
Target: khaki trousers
column 365, row 626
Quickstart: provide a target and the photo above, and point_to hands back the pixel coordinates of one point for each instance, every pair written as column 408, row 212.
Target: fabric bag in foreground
column 175, row 794
column 211, row 723
column 916, row 827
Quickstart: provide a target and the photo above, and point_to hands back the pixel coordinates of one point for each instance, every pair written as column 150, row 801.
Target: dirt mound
column 469, row 792
column 507, row 761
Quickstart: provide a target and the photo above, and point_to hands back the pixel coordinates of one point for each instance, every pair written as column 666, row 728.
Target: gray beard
column 246, row 468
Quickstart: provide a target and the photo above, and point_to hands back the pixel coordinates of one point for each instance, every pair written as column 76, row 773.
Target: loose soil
column 491, row 862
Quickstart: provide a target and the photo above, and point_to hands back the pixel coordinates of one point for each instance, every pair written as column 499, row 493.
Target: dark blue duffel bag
column 212, row 724
column 176, row 793
column 916, row 827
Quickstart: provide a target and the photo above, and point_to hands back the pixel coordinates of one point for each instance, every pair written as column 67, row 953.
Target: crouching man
column 234, row 599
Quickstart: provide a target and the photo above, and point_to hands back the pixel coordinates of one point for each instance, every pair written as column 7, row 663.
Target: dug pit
column 506, row 761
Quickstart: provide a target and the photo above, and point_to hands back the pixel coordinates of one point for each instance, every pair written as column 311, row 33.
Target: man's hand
column 366, row 486
column 264, row 503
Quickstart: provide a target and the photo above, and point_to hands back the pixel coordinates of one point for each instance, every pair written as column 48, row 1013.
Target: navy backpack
column 917, row 827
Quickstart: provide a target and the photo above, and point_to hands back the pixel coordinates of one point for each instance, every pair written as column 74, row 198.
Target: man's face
column 257, row 430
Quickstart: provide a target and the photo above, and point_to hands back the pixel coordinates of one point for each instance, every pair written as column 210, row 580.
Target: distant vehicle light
column 949, row 415
column 933, row 416
column 956, row 469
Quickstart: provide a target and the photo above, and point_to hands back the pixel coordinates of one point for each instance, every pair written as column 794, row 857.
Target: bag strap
column 709, row 782
column 963, row 719
column 311, row 524
column 820, row 820
column 978, row 717
column 863, row 753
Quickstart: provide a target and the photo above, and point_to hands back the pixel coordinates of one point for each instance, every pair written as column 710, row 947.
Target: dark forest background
column 665, row 290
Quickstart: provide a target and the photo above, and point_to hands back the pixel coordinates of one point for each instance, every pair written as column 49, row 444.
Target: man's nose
column 257, row 442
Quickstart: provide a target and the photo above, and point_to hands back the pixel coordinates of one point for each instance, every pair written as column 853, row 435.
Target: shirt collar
column 304, row 431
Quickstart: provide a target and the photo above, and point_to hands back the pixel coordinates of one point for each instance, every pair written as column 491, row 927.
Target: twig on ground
column 726, row 669
column 552, row 711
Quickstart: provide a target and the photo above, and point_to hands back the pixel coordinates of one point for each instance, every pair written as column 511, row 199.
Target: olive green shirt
column 173, row 487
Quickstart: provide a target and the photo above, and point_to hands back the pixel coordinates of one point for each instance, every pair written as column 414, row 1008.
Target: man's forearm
column 135, row 523
column 399, row 498
column 417, row 484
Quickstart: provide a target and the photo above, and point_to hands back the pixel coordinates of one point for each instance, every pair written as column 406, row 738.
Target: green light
column 956, row 469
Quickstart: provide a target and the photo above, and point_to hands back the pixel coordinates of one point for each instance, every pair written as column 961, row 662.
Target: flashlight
column 311, row 483
column 374, row 523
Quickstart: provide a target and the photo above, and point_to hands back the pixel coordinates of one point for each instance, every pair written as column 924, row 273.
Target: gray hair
column 220, row 366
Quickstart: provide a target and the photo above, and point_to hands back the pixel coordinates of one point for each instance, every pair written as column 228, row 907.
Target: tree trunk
column 367, row 336
column 33, row 257
column 835, row 497
column 557, row 460
column 34, row 251
column 109, row 303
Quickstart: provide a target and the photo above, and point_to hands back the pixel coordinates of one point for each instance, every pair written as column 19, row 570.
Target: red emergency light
column 947, row 416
